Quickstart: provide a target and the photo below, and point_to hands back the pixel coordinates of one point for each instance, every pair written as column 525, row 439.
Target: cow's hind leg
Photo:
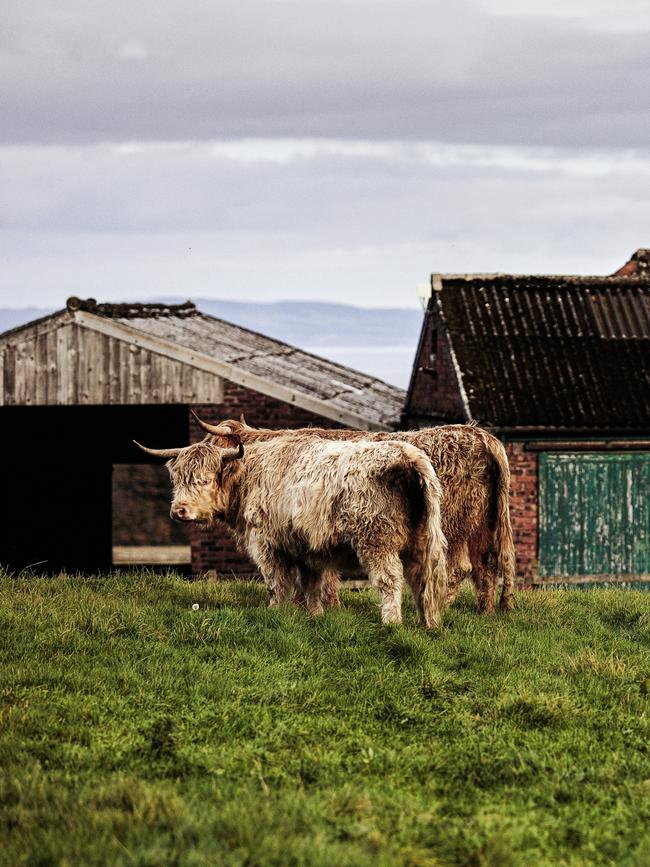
column 506, row 571
column 459, row 567
column 484, row 573
column 485, row 581
column 386, row 574
column 412, row 570
column 489, row 601
column 506, row 602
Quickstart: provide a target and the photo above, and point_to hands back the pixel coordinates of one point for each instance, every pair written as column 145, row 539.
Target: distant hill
column 377, row 341
column 315, row 323
column 10, row 318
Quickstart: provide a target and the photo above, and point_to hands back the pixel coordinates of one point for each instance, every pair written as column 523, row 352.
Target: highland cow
column 473, row 470
column 300, row 506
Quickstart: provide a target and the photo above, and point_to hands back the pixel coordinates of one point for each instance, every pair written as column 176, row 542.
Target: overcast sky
column 317, row 149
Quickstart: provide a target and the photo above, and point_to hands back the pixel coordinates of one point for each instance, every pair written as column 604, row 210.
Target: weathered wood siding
column 152, row 555
column 58, row 362
column 594, row 514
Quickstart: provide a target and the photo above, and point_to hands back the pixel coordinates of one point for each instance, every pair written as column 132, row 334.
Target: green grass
column 134, row 730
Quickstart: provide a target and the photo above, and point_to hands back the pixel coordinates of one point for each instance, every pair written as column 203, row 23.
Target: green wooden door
column 594, row 514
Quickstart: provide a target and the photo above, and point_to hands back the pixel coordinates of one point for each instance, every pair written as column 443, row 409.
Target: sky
column 335, row 150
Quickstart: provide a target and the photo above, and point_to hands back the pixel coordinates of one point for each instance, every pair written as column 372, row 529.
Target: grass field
column 134, row 730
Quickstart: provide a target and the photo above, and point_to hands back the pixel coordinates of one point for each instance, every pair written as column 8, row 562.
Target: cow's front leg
column 278, row 574
column 327, row 583
column 311, row 583
column 330, row 585
column 279, row 580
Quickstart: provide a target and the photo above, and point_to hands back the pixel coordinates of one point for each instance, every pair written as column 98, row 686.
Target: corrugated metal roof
column 341, row 388
column 551, row 352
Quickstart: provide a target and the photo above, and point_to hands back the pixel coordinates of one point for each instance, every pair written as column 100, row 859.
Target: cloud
column 339, row 149
column 622, row 16
column 133, row 49
column 421, row 69
column 335, row 219
column 336, row 189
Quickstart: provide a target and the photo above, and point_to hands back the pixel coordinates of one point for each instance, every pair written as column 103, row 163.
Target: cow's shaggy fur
column 298, row 504
column 473, row 470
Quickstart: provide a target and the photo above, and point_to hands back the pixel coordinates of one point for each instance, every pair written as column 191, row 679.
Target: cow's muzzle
column 180, row 513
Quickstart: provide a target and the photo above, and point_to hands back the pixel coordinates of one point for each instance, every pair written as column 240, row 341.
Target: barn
column 559, row 368
column 76, row 388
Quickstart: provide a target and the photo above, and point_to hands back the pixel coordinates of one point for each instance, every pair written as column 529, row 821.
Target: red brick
column 436, row 383
column 523, row 508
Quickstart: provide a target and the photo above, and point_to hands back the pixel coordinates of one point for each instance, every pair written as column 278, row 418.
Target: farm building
column 78, row 386
column 559, row 367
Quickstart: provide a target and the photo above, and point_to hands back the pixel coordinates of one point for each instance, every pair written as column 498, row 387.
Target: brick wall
column 523, row 509
column 436, row 392
column 215, row 551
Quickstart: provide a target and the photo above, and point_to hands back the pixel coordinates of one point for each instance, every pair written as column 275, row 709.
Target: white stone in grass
column 195, row 607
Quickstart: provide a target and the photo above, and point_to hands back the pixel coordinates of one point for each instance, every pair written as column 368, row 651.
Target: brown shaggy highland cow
column 473, row 470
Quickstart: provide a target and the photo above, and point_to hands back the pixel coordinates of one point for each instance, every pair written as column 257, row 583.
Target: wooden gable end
column 59, row 362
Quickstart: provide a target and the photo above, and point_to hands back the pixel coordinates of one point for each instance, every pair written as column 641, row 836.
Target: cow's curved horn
column 216, row 429
column 232, row 454
column 159, row 453
column 242, row 418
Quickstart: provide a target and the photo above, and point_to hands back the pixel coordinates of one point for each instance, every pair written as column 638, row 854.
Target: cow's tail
column 433, row 566
column 503, row 542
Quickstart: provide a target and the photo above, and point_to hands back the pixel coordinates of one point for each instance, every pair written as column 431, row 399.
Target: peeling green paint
column 594, row 514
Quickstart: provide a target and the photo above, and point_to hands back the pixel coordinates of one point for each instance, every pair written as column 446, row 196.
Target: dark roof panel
column 551, row 352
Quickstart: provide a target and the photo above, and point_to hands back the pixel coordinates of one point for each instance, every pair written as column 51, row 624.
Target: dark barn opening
column 57, row 503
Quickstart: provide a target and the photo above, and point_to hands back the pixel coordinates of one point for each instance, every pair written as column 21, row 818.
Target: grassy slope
column 135, row 731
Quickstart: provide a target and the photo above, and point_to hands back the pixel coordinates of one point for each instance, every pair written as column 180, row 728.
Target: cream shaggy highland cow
column 302, row 507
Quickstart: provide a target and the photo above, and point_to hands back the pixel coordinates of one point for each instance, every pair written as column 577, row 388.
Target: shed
column 78, row 386
column 559, row 367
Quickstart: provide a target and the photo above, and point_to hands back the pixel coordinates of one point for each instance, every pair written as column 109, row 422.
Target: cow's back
column 465, row 467
column 462, row 456
column 321, row 493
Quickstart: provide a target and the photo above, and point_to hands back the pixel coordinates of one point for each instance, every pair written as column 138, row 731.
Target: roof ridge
column 637, row 280
column 131, row 310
